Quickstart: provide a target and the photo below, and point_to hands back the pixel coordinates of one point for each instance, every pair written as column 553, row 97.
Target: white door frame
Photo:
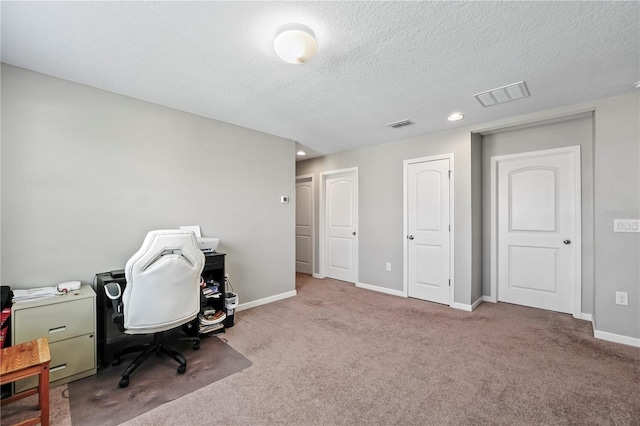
column 304, row 178
column 405, row 224
column 322, row 258
column 575, row 151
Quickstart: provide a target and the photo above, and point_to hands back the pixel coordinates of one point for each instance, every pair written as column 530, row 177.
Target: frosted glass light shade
column 295, row 43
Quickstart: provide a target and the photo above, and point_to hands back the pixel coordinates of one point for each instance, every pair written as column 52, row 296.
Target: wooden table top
column 24, row 355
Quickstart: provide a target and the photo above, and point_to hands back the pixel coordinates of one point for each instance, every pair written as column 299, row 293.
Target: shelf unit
column 213, row 274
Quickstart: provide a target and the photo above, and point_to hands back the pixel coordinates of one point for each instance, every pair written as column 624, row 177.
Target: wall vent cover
column 502, row 94
column 401, row 123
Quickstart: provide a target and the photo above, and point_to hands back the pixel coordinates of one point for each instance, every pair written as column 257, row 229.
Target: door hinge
column 449, row 282
column 449, row 228
column 449, row 174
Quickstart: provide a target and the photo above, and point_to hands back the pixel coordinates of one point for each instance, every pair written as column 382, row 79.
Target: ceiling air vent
column 503, row 94
column 401, row 123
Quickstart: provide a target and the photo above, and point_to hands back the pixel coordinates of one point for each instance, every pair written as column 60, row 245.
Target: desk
column 27, row 360
column 110, row 339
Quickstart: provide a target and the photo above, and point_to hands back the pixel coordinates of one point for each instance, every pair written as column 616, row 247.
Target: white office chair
column 162, row 293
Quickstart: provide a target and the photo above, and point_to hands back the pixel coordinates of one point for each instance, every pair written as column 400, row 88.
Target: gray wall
column 617, row 195
column 610, row 178
column 380, row 205
column 548, row 136
column 476, row 219
column 86, row 173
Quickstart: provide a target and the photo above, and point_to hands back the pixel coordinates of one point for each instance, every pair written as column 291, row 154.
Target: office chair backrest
column 163, row 282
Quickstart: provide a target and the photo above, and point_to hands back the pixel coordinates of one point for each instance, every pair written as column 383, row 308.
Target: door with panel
column 538, row 207
column 341, row 218
column 428, row 230
column 304, row 227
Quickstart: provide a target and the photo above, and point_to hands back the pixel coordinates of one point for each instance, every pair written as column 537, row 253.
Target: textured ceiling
column 377, row 62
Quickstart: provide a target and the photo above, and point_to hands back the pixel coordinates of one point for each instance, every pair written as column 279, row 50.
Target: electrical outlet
column 226, row 275
column 388, row 266
column 622, row 298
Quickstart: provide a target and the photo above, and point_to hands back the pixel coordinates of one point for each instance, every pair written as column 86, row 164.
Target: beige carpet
column 336, row 354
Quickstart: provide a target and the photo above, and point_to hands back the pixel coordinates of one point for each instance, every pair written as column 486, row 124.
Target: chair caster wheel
column 115, row 362
column 196, row 346
column 182, row 368
column 124, row 382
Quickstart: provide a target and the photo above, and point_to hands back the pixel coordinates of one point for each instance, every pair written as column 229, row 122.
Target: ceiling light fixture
column 637, row 85
column 295, row 43
column 301, row 153
column 455, row 116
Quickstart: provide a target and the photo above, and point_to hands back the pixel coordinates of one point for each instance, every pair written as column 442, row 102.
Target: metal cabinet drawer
column 58, row 321
column 68, row 357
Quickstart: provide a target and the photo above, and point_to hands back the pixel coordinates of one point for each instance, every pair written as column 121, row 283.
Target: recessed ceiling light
column 455, row 116
column 301, row 153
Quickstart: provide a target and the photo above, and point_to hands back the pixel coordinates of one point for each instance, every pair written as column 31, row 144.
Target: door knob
column 410, row 237
column 353, row 233
column 567, row 241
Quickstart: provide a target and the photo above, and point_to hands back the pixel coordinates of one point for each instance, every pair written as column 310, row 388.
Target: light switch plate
column 626, row 225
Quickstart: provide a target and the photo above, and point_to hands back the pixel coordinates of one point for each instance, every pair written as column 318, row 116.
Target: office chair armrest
column 114, row 292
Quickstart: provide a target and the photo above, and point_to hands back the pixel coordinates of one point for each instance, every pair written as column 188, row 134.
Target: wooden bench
column 26, row 360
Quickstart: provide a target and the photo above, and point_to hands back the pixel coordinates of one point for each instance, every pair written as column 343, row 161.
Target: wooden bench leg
column 44, row 395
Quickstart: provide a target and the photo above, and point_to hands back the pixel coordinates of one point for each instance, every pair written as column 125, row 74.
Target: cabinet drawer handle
column 58, row 368
column 58, row 329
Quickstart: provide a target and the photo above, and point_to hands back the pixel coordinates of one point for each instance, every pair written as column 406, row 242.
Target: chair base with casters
column 158, row 346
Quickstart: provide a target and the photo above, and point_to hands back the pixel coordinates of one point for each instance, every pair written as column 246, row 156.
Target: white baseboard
column 465, row 307
column 617, row 338
column 477, row 302
column 270, row 299
column 461, row 306
column 490, row 299
column 585, row 317
column 610, row 337
column 381, row 289
column 320, row 277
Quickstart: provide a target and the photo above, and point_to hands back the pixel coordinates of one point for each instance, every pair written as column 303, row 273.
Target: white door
column 428, row 230
column 341, row 218
column 304, row 227
column 538, row 203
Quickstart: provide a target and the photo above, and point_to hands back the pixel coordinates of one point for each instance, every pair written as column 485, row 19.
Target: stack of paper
column 211, row 322
column 34, row 293
column 211, row 319
column 211, row 291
